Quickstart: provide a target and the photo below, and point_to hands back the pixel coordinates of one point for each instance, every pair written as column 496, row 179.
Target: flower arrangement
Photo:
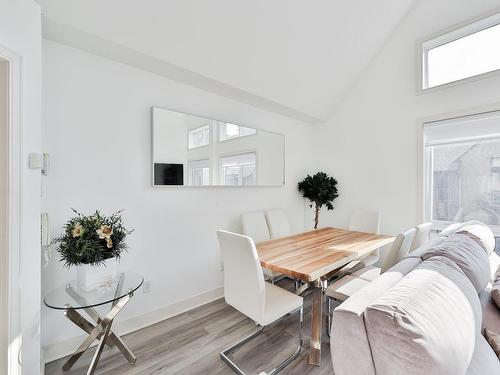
column 92, row 239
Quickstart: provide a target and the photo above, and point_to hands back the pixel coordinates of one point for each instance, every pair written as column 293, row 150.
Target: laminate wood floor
column 190, row 343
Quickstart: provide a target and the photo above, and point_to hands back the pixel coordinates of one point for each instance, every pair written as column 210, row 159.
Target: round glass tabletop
column 70, row 295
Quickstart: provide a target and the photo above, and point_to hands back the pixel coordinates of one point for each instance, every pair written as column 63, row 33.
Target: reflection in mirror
column 195, row 151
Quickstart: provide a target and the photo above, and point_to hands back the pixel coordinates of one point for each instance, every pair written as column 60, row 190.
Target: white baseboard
column 61, row 349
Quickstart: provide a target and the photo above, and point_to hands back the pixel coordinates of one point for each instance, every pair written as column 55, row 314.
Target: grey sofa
column 425, row 315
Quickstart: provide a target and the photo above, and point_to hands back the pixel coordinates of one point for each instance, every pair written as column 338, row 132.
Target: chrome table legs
column 316, row 324
column 101, row 331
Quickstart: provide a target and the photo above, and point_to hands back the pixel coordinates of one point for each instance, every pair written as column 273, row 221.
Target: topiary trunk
column 316, row 216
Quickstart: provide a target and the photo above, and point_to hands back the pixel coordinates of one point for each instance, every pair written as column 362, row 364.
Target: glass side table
column 71, row 298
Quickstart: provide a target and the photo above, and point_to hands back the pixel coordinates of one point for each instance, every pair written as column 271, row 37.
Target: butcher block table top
column 309, row 256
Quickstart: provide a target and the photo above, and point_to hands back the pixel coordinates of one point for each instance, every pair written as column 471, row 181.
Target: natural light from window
column 238, row 170
column 230, row 131
column 199, row 173
column 462, row 170
column 461, row 54
column 199, row 137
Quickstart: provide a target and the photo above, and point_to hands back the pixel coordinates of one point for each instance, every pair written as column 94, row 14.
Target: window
column 467, row 52
column 462, row 170
column 198, row 173
column 495, row 175
column 199, row 137
column 230, row 131
column 238, row 170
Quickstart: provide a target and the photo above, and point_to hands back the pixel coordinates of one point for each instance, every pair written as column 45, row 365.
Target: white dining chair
column 278, row 224
column 254, row 225
column 246, row 291
column 423, row 235
column 368, row 221
column 346, row 286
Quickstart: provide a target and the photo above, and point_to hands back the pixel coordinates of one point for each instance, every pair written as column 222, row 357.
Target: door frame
column 14, row 205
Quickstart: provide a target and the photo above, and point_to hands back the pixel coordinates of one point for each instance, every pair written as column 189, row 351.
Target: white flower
column 77, row 231
column 104, row 232
column 109, row 243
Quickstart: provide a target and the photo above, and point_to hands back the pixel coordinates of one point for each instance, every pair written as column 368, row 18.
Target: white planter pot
column 91, row 277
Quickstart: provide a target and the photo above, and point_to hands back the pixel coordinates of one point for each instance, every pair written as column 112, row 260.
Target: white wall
column 371, row 143
column 20, row 33
column 96, row 122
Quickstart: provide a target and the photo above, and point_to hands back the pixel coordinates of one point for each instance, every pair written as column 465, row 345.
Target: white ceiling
column 293, row 57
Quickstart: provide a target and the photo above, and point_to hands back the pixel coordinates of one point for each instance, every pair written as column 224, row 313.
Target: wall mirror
column 191, row 150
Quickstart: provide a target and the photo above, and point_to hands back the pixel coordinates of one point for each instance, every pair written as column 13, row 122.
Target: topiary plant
column 321, row 190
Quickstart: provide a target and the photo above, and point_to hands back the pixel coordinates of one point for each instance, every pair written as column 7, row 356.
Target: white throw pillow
column 427, row 323
column 467, row 254
column 481, row 233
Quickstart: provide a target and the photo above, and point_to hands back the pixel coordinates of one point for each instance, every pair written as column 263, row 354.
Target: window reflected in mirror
column 207, row 152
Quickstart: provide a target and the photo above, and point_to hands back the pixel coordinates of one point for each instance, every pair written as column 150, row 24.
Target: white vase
column 90, row 277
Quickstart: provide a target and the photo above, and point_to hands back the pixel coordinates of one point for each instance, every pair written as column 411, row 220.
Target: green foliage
column 321, row 190
column 92, row 239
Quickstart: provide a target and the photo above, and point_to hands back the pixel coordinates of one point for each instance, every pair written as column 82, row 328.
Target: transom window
column 462, row 170
column 463, row 53
column 230, row 131
column 199, row 137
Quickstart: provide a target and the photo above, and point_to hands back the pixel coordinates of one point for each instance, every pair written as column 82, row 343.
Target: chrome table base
column 101, row 331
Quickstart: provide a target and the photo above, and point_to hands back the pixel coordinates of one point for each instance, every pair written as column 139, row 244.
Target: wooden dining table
column 314, row 257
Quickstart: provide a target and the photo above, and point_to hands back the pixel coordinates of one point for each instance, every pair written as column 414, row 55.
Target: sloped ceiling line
column 72, row 37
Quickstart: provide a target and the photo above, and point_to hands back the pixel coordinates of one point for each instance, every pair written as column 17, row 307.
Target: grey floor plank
column 190, row 343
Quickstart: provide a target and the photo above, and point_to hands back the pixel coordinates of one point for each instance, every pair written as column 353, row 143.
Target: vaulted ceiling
column 294, row 57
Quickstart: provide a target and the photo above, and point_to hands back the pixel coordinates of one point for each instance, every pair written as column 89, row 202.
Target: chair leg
column 224, row 354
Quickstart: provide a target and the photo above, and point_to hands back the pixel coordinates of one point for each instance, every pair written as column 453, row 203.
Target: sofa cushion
column 484, row 361
column 453, row 228
column 482, row 234
column 427, row 323
column 348, row 324
column 468, row 254
column 419, row 251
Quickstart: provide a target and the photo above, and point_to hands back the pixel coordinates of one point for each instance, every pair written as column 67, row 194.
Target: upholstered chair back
column 364, row 220
column 400, row 248
column 244, row 287
column 422, row 236
column 278, row 223
column 254, row 225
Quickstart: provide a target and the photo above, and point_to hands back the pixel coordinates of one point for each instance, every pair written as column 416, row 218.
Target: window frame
column 198, row 164
column 219, row 126
column 425, row 164
column 199, row 128
column 220, row 167
column 449, row 35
